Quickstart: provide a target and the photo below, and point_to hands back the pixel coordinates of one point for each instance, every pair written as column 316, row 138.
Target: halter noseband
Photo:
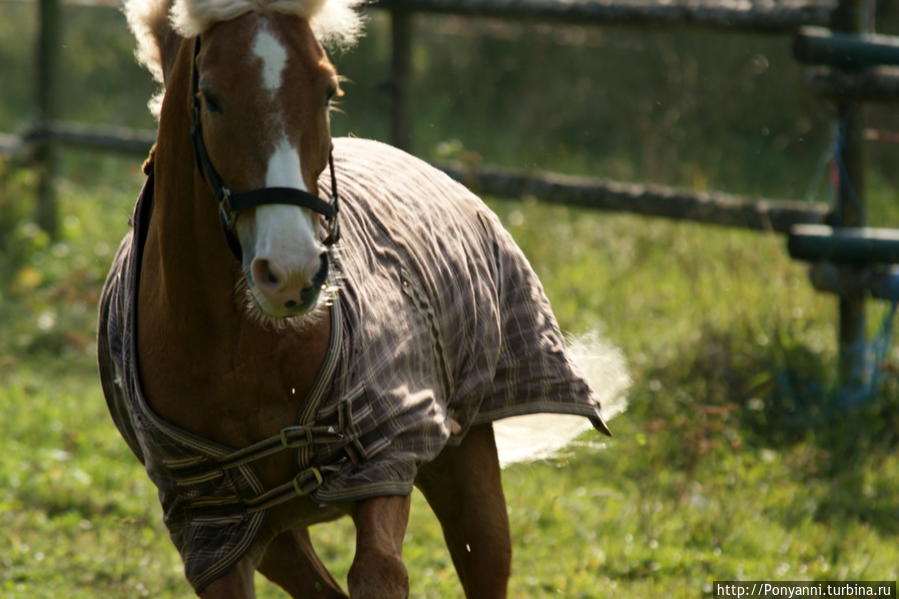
column 230, row 203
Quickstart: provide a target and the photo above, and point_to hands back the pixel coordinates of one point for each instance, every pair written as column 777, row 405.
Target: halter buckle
column 333, row 233
column 333, row 222
column 226, row 213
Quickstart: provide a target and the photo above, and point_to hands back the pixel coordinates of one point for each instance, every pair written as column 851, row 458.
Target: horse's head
column 260, row 90
column 264, row 86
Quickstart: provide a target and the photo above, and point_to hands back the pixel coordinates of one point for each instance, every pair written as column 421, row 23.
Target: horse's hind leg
column 291, row 563
column 464, row 489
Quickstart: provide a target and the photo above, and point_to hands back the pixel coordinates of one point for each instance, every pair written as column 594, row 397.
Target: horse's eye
column 210, row 102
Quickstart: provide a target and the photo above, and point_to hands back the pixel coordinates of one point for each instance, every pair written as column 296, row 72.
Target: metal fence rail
column 649, row 200
column 740, row 15
column 120, row 140
column 585, row 192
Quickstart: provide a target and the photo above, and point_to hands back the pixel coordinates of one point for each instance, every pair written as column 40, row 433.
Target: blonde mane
column 336, row 23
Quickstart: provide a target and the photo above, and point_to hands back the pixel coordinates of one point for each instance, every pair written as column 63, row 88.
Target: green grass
column 728, row 464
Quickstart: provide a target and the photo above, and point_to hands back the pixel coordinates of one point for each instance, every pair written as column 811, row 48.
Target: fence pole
column 46, row 153
column 401, row 79
column 849, row 16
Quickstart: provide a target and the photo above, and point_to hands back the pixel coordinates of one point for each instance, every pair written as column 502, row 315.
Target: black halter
column 230, row 203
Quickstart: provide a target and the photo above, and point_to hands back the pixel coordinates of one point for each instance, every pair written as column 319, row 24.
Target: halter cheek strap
column 230, row 203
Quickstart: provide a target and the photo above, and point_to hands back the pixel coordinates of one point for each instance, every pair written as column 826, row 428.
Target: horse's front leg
column 378, row 571
column 237, row 583
column 291, row 562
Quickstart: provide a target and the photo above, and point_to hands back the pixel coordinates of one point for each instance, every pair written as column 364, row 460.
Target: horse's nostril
column 271, row 277
column 264, row 274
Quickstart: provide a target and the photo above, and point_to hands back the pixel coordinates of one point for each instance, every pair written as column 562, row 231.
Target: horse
column 276, row 359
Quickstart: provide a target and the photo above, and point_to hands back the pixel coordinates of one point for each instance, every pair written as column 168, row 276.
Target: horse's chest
column 226, row 407
column 235, row 396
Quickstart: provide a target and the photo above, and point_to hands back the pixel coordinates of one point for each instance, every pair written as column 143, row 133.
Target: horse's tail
column 540, row 436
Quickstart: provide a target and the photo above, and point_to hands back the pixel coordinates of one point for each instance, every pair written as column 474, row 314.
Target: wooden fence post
column 46, row 152
column 401, row 22
column 849, row 17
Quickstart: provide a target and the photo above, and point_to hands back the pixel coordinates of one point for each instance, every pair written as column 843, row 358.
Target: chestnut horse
column 218, row 371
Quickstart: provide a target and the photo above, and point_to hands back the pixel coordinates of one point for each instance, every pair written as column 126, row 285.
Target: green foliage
column 99, row 80
column 16, row 26
column 623, row 103
column 18, row 187
column 49, row 290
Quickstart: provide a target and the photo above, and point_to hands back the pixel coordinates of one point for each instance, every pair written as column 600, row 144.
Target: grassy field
column 734, row 459
column 730, row 462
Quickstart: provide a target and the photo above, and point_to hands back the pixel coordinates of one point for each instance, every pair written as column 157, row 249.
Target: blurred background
column 736, row 458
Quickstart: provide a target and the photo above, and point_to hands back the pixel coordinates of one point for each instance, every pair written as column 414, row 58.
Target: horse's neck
column 200, row 354
column 206, row 365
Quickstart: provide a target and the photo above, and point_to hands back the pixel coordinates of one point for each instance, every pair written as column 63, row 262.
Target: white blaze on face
column 283, row 236
column 274, row 58
column 281, row 228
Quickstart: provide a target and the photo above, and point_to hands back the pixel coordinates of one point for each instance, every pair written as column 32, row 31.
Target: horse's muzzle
column 282, row 295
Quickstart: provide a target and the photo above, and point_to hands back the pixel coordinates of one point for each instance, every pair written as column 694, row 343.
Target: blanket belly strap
column 222, row 509
column 290, row 437
column 193, row 475
column 191, row 472
column 302, row 484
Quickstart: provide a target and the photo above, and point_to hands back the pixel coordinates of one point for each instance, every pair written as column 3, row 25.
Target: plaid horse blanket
column 438, row 324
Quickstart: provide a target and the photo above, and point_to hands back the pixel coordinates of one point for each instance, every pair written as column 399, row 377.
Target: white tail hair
column 541, row 436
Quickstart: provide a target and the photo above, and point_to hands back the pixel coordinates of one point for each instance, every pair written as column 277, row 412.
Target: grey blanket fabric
column 436, row 316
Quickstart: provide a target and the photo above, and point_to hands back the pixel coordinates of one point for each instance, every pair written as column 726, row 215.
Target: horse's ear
column 157, row 41
column 168, row 51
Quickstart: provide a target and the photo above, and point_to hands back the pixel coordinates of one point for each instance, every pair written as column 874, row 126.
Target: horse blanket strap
column 290, row 437
column 230, row 203
column 192, row 472
column 301, row 485
column 304, row 483
column 221, row 509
